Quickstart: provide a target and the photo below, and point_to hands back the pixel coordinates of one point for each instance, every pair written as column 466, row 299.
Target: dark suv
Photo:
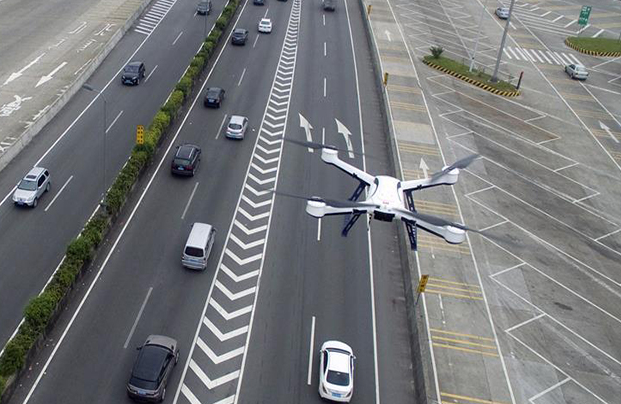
column 329, row 5
column 239, row 36
column 186, row 160
column 214, row 97
column 156, row 360
column 132, row 73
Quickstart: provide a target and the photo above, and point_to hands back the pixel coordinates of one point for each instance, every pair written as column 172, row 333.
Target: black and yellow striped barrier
column 591, row 52
column 477, row 83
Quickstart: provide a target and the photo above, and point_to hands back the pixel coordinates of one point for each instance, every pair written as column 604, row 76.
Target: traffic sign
column 139, row 134
column 422, row 283
column 584, row 15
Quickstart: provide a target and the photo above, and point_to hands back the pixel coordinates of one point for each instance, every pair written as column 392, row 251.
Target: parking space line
column 58, row 193
column 537, row 317
column 508, row 269
column 608, row 234
column 549, row 389
column 131, row 332
column 310, row 352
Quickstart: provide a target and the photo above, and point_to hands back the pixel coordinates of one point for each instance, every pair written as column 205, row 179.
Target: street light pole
column 494, row 78
column 476, row 44
column 105, row 129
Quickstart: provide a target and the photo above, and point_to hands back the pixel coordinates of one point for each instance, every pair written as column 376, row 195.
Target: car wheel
column 35, row 202
column 47, row 187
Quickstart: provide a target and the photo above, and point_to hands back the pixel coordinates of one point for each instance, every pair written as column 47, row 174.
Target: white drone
column 388, row 198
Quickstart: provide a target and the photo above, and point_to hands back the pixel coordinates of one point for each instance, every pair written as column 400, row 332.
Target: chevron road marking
column 264, row 150
column 270, row 142
column 254, row 191
column 250, row 231
column 212, row 383
column 188, row 394
column 279, row 103
column 234, row 296
column 249, row 245
column 242, row 262
column 261, row 182
column 253, row 217
column 275, row 125
column 256, row 204
column 217, row 359
column 225, row 314
column 272, row 134
column 276, row 111
column 224, row 336
column 262, row 171
column 239, row 278
column 268, row 161
column 275, row 118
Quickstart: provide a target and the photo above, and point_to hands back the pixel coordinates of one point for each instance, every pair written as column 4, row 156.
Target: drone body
column 389, row 198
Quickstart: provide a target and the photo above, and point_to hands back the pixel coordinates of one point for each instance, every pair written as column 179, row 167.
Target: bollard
column 385, row 78
column 369, row 9
column 519, row 81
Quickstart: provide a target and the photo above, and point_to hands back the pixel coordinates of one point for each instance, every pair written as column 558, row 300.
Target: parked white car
column 502, row 12
column 265, row 25
column 336, row 371
column 32, row 186
column 576, row 71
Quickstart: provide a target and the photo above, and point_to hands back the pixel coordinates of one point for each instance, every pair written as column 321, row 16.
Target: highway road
column 33, row 241
column 244, row 325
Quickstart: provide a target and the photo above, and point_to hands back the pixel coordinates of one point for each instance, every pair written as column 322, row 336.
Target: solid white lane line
column 319, row 229
column 325, row 84
column 242, row 76
column 255, row 41
column 310, row 352
column 131, row 332
column 177, row 38
column 187, row 205
column 221, row 126
column 114, row 121
column 324, row 20
column 150, row 74
column 58, row 193
column 325, row 50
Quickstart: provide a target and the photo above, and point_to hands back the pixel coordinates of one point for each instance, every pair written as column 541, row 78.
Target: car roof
column 237, row 119
column 338, row 360
column 185, row 150
column 198, row 234
column 150, row 362
column 34, row 172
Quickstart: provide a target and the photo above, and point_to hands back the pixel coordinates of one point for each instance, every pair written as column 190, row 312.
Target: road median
column 605, row 47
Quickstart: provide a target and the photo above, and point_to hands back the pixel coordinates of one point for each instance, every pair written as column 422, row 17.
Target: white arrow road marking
column 234, row 296
column 388, row 35
column 19, row 73
column 227, row 335
column 45, row 79
column 607, row 129
column 249, row 245
column 253, row 217
column 304, row 124
column 225, row 314
column 217, row 359
column 423, row 166
column 212, row 383
column 250, row 231
column 244, row 261
column 342, row 129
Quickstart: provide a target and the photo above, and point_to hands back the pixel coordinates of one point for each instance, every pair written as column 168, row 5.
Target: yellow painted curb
column 590, row 52
column 473, row 82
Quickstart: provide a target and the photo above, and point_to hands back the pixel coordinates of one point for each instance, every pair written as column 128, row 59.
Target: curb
column 473, row 82
column 590, row 52
column 24, row 138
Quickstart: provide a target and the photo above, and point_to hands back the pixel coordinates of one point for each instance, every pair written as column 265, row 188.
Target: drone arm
column 449, row 178
column 331, row 156
column 321, row 209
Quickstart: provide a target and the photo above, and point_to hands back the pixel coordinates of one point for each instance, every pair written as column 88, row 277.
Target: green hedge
column 40, row 309
column 602, row 45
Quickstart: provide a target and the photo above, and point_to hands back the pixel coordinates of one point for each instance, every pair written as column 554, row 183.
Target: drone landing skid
column 358, row 191
column 350, row 220
column 412, row 234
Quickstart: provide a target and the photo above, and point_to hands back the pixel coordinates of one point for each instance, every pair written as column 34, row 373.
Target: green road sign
column 584, row 15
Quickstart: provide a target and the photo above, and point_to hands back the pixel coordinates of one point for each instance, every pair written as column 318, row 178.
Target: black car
column 186, row 160
column 156, row 360
column 239, row 36
column 204, row 7
column 214, row 97
column 329, row 5
column 133, row 73
column 258, row 2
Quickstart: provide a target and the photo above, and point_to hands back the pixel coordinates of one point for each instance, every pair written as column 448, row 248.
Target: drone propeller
column 319, row 146
column 463, row 163
column 332, row 202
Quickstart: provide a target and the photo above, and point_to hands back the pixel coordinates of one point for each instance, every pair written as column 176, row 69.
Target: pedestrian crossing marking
column 540, row 56
column 147, row 23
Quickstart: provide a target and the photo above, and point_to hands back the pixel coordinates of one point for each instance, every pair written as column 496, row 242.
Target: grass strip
column 599, row 45
column 477, row 75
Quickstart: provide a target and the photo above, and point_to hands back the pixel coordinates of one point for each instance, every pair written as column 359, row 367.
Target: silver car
column 32, row 186
column 576, row 71
column 236, row 129
column 502, row 12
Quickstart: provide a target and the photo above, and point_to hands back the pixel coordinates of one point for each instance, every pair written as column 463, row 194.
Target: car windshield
column 235, row 126
column 131, row 69
column 338, row 378
column 27, row 185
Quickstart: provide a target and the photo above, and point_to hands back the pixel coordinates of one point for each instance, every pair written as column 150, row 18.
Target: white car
column 502, row 12
column 336, row 371
column 576, row 71
column 32, row 186
column 265, row 25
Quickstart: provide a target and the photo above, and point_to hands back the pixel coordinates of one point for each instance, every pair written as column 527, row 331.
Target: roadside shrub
column 221, row 23
column 2, row 384
column 215, row 34
column 161, row 121
column 436, row 51
column 174, row 103
column 94, row 229
column 79, row 249
column 14, row 354
column 39, row 310
column 184, row 85
column 198, row 63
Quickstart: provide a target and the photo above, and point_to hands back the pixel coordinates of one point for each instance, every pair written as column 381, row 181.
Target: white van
column 198, row 247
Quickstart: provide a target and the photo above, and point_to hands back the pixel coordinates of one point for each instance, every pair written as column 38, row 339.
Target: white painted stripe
column 525, row 322
column 558, row 55
column 210, row 384
column 522, row 56
column 513, row 53
column 537, row 55
column 58, row 193
column 142, row 31
column 567, row 57
column 227, row 335
column 242, row 76
column 225, row 314
column 310, row 351
column 187, row 205
column 149, row 18
column 234, row 296
column 150, row 74
column 568, row 24
column 598, row 33
column 549, row 389
column 507, row 53
column 221, row 126
column 546, row 57
column 114, row 121
column 131, row 332
column 177, row 38
column 245, row 246
column 553, row 58
column 574, row 59
column 557, row 18
column 546, row 13
column 217, row 359
column 244, row 261
column 238, row 278
column 189, row 395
